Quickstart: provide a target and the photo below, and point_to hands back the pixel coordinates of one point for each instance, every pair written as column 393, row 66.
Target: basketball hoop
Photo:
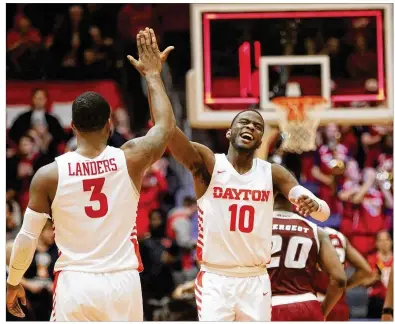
column 297, row 126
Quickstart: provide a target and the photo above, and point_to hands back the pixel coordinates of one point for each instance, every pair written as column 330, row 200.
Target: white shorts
column 82, row 296
column 221, row 298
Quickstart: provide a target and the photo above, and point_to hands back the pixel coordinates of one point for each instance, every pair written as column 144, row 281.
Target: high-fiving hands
column 150, row 57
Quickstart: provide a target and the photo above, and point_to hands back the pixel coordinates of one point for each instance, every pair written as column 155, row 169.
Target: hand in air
column 305, row 205
column 150, row 58
column 14, row 295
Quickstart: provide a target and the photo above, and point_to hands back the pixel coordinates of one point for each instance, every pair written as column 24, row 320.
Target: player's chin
column 247, row 146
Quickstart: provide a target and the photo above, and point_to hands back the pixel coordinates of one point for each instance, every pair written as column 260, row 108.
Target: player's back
column 295, row 253
column 94, row 213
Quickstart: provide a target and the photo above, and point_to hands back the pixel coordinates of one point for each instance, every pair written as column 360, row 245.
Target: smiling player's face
column 246, row 132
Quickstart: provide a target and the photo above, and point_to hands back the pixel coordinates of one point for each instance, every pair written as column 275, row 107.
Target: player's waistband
column 234, row 271
column 292, row 299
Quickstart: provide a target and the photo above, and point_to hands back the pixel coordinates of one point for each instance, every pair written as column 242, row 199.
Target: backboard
column 235, row 59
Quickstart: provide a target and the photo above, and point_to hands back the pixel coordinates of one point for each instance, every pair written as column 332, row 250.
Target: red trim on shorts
column 55, row 285
column 199, row 210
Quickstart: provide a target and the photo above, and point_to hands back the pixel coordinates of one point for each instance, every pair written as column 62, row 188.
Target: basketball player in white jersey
column 92, row 195
column 235, row 204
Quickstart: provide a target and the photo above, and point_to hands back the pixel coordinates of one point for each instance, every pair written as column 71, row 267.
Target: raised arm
column 195, row 157
column 362, row 271
column 305, row 201
column 36, row 215
column 144, row 151
column 330, row 264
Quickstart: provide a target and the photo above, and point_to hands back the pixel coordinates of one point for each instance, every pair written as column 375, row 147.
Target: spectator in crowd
column 362, row 63
column 40, row 120
column 349, row 140
column 333, row 50
column 24, row 46
column 381, row 263
column 328, row 170
column 122, row 131
column 160, row 256
column 363, row 219
column 153, row 186
column 12, row 227
column 25, row 163
column 179, row 228
column 69, row 43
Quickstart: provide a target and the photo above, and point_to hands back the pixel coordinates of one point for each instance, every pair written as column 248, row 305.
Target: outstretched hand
column 150, row 57
column 305, row 205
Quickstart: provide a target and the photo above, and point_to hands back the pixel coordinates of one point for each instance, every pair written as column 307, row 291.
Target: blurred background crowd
column 351, row 169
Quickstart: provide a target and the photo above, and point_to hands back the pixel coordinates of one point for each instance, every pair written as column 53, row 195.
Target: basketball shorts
column 339, row 313
column 82, row 296
column 302, row 311
column 223, row 298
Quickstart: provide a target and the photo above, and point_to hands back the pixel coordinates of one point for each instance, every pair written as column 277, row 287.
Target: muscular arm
column 362, row 271
column 330, row 263
column 144, row 151
column 286, row 183
column 34, row 220
column 195, row 157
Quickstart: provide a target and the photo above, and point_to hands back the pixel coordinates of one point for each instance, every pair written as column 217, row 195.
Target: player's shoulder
column 333, row 232
column 46, row 176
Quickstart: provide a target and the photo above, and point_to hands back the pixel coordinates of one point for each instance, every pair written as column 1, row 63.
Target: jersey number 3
column 245, row 213
column 96, row 186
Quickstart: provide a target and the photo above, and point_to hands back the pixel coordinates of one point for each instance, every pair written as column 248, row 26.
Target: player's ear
column 228, row 133
column 73, row 126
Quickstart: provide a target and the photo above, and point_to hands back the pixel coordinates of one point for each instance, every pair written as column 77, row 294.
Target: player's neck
column 241, row 161
column 91, row 145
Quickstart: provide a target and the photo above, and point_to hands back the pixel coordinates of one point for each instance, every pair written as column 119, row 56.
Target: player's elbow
column 339, row 279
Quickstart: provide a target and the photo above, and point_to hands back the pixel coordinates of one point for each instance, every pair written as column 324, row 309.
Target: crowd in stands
column 351, row 168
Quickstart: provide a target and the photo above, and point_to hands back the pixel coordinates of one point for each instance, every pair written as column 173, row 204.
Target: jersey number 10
column 244, row 212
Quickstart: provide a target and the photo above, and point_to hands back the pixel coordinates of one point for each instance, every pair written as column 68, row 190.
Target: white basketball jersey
column 94, row 213
column 235, row 219
column 339, row 242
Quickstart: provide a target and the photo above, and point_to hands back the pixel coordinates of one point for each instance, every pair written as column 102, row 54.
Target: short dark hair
column 90, row 112
column 35, row 90
column 245, row 110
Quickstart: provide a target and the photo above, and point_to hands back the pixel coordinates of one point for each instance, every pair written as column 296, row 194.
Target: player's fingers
column 154, row 42
column 147, row 38
column 143, row 44
column 166, row 53
column 23, row 299
column 132, row 60
column 139, row 46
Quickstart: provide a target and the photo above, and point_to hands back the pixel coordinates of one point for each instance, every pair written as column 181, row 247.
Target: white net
column 299, row 127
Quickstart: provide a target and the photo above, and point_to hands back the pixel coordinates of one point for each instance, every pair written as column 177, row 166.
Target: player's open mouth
column 247, row 137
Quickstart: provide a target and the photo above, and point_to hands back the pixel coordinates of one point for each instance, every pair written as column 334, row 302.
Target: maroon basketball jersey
column 295, row 249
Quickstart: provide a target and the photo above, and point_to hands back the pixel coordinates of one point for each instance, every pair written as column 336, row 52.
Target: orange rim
column 297, row 106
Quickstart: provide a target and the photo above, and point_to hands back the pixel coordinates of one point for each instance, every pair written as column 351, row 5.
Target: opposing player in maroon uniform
column 346, row 252
column 297, row 246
